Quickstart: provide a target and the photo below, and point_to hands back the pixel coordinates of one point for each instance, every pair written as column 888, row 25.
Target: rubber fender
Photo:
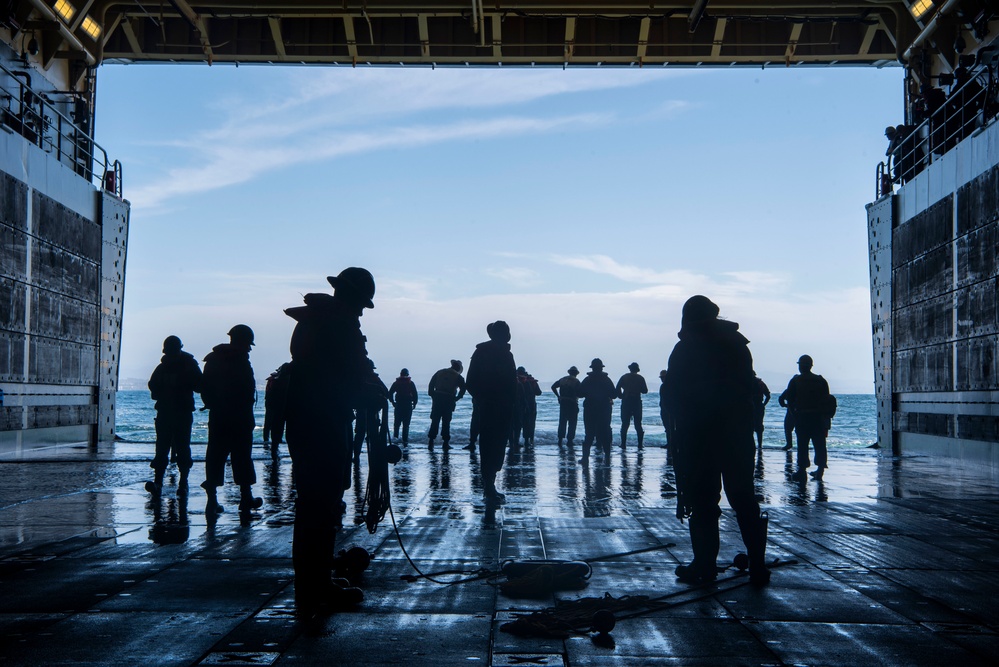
column 514, row 569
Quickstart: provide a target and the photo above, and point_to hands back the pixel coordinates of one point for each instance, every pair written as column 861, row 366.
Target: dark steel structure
column 479, row 32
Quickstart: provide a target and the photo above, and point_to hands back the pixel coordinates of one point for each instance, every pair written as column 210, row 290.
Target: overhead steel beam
column 643, row 39
column 716, row 44
column 198, row 23
column 275, row 24
column 497, row 23
column 792, row 43
column 570, row 38
column 133, row 41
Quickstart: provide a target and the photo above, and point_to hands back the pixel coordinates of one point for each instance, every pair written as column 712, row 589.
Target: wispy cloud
column 404, row 289
column 518, row 276
column 605, row 265
column 339, row 112
column 225, row 163
column 366, row 93
column 676, row 281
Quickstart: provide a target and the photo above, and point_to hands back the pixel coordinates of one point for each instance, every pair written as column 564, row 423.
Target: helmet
column 498, row 331
column 172, row 345
column 356, row 284
column 241, row 334
column 698, row 308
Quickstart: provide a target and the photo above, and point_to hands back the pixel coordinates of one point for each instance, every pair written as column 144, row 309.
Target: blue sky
column 582, row 206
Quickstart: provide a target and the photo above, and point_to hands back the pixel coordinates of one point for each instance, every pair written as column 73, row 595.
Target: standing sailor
column 630, row 389
column 404, row 397
column 566, row 390
column 447, row 387
column 492, row 382
column 229, row 392
column 331, row 376
column 172, row 385
column 807, row 397
column 709, row 386
column 598, row 392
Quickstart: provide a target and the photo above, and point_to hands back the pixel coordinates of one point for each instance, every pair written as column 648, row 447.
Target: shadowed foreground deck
column 898, row 565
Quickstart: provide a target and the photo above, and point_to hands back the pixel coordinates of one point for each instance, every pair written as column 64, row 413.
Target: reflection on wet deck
column 898, row 564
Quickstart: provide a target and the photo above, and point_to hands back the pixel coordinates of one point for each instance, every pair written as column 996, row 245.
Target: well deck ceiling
column 516, row 33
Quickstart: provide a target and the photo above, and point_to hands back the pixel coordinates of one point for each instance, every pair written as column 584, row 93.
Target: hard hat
column 356, row 284
column 241, row 333
column 172, row 345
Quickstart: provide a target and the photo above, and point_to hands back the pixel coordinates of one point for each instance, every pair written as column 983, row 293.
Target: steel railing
column 27, row 113
column 967, row 109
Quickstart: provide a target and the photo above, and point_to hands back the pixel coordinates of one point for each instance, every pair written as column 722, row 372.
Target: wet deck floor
column 898, row 565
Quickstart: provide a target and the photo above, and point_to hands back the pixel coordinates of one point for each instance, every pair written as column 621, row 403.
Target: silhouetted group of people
column 711, row 402
column 228, row 391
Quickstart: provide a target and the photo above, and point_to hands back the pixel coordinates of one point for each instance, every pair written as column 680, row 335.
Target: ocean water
column 855, row 424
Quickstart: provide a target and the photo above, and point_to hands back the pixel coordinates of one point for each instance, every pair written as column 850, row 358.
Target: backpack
column 830, row 407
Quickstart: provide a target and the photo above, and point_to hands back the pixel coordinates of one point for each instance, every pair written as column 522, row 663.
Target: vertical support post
column 880, row 222
column 114, row 235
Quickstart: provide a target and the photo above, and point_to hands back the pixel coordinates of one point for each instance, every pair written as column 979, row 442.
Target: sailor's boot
column 246, row 500
column 705, row 542
column 489, row 492
column 212, row 507
column 156, row 486
column 754, row 535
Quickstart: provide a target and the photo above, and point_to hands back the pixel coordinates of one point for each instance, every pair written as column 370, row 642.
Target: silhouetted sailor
column 172, row 385
column 492, row 382
column 566, row 390
column 519, row 406
column 229, row 392
column 664, row 415
column 529, row 410
column 807, row 396
column 446, row 388
column 404, row 397
column 362, row 418
column 473, row 427
column 598, row 392
column 760, row 399
column 331, row 376
column 630, row 388
column 788, row 426
column 275, row 399
column 709, row 390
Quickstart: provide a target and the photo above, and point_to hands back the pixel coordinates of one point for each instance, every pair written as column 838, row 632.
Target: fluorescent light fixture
column 91, row 27
column 65, row 9
column 921, row 8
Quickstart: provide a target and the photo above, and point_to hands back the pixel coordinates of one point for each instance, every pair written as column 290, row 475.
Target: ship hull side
column 935, row 352
column 59, row 339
